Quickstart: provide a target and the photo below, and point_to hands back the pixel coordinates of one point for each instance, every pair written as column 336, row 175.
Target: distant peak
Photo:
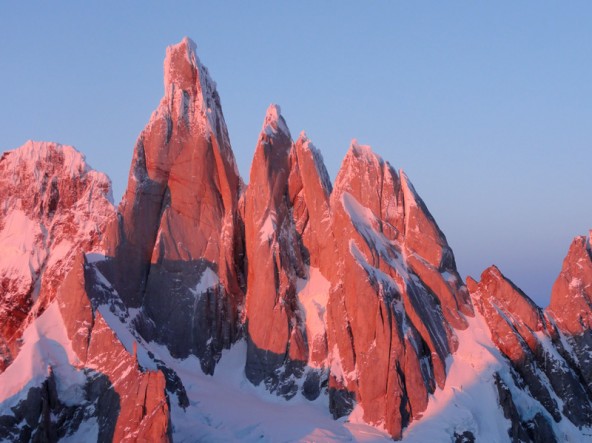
column 273, row 114
column 181, row 65
column 274, row 123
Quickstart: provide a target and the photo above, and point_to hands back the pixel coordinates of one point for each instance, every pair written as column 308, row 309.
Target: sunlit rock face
column 52, row 205
column 571, row 298
column 153, row 321
column 286, row 226
column 377, row 333
column 274, row 257
column 394, row 297
column 571, row 304
column 178, row 248
column 536, row 349
column 63, row 369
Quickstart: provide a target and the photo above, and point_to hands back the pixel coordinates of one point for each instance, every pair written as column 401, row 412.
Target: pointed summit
column 363, row 151
column 571, row 296
column 181, row 65
column 179, row 217
column 190, row 96
column 274, row 123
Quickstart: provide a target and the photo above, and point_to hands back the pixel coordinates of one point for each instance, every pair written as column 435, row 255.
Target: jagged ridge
column 348, row 294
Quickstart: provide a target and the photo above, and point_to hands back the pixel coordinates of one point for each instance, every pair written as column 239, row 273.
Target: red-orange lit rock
column 525, row 335
column 286, row 228
column 178, row 256
column 571, row 297
column 384, row 320
column 53, row 205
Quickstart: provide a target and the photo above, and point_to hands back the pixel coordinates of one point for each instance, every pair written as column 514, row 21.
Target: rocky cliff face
column 538, row 352
column 177, row 252
column 75, row 380
column 52, row 205
column 277, row 345
column 571, row 306
column 286, row 232
column 153, row 321
column 389, row 332
column 390, row 298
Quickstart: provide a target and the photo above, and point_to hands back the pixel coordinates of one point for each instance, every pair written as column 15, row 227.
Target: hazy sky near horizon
column 486, row 106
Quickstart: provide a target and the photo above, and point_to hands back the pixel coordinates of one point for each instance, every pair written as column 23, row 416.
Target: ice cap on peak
column 32, row 152
column 274, row 123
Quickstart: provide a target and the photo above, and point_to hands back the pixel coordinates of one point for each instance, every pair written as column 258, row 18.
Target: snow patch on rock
column 268, row 228
column 208, row 280
column 45, row 345
column 313, row 295
column 21, row 259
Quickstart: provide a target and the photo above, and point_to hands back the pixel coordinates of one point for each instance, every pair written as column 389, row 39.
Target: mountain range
column 290, row 308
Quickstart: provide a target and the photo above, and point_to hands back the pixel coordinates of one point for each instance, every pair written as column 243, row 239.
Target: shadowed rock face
column 42, row 417
column 135, row 404
column 529, row 340
column 179, row 239
column 535, row 430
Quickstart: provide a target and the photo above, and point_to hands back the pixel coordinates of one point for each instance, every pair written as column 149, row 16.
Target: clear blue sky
column 487, row 106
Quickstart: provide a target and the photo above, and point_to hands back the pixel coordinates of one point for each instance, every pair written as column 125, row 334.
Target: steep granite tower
column 179, row 248
column 395, row 295
column 286, row 224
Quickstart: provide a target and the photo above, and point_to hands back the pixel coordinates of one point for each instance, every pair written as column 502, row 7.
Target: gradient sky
column 486, row 106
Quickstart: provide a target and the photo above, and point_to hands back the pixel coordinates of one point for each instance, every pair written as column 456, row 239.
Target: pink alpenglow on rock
column 571, row 304
column 286, row 222
column 53, row 205
column 388, row 336
column 178, row 249
column 529, row 340
column 185, row 312
column 571, row 298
